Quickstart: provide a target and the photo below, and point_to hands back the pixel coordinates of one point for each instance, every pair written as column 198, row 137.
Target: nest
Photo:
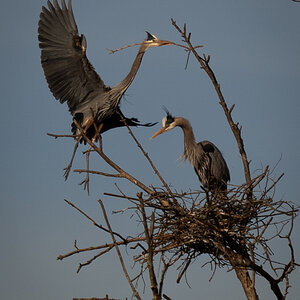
column 202, row 227
column 221, row 225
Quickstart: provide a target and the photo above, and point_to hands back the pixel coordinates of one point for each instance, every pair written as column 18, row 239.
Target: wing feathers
column 69, row 74
column 218, row 166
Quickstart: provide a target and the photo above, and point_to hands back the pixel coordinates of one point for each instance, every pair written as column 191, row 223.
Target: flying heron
column 72, row 78
column 205, row 157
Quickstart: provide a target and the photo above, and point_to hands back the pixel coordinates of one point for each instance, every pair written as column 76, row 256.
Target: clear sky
column 255, row 53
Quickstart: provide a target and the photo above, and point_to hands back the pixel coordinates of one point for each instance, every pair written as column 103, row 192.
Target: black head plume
column 169, row 118
column 150, row 37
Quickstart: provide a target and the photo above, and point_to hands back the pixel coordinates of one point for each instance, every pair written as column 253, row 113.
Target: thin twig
column 94, row 258
column 135, row 293
column 98, row 173
column 111, row 163
column 92, row 220
column 149, row 241
column 62, row 135
column 122, row 48
column 139, row 44
column 152, row 165
column 204, row 62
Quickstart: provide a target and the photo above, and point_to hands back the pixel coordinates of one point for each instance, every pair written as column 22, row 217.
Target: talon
column 67, row 171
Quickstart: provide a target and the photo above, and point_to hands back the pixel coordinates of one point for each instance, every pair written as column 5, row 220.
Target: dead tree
column 235, row 231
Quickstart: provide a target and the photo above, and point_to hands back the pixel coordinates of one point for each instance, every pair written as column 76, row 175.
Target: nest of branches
column 226, row 226
column 202, row 227
column 233, row 228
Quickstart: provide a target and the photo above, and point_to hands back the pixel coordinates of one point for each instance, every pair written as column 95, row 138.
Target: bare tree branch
column 111, row 163
column 204, row 63
column 135, row 293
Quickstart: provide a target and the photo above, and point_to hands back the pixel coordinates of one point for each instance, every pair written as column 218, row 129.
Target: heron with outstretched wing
column 72, row 79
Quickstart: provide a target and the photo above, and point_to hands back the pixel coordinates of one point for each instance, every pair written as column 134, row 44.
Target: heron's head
column 168, row 123
column 153, row 41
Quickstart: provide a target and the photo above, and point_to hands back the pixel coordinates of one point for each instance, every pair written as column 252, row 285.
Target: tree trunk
column 247, row 284
column 236, row 260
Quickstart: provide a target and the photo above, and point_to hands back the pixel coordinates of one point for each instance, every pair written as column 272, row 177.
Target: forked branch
column 204, row 63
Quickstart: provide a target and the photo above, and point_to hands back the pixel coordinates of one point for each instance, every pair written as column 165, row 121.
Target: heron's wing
column 69, row 74
column 218, row 166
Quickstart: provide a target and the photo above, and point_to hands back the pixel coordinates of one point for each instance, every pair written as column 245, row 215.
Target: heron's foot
column 86, row 183
column 97, row 133
column 67, row 170
column 69, row 166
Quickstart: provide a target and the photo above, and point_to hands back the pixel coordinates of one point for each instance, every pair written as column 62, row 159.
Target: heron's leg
column 208, row 200
column 69, row 166
column 87, row 176
column 98, row 130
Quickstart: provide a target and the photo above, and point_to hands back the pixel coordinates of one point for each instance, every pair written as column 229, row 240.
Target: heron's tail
column 136, row 122
column 114, row 121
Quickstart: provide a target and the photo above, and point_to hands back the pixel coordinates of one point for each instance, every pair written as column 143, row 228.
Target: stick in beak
column 162, row 130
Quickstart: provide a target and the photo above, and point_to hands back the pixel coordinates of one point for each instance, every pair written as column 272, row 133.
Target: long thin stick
column 136, row 294
column 204, row 62
column 149, row 241
column 94, row 222
column 111, row 163
column 152, row 166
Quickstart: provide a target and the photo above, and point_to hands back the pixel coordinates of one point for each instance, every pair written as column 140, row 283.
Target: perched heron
column 71, row 77
column 205, row 157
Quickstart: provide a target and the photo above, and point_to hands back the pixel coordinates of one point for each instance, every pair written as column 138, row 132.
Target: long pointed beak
column 162, row 130
column 164, row 43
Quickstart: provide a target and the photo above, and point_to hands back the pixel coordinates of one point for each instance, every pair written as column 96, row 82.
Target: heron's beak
column 162, row 130
column 164, row 43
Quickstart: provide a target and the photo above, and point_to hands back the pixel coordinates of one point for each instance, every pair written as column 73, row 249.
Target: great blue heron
column 206, row 158
column 72, row 78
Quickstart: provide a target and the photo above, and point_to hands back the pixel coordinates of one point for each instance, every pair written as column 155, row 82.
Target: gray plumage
column 71, row 77
column 204, row 156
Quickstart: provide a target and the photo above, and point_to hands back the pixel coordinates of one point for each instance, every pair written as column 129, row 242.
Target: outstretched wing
column 69, row 74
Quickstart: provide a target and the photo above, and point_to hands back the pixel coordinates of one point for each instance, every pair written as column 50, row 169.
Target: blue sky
column 255, row 53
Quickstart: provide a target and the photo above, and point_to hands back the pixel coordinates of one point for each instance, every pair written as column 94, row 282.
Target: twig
column 126, row 242
column 152, row 165
column 182, row 272
column 94, row 222
column 135, row 293
column 149, row 241
column 98, row 173
column 94, row 258
column 138, row 44
column 122, row 48
column 204, row 62
column 62, row 135
column 111, row 163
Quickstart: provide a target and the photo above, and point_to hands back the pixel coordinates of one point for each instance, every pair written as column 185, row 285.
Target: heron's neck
column 125, row 83
column 190, row 145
